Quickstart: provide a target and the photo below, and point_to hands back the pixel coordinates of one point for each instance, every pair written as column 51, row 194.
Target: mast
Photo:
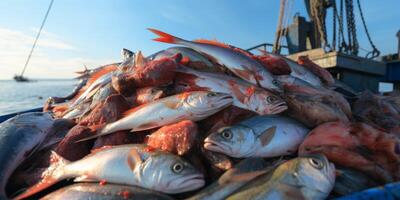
column 36, row 39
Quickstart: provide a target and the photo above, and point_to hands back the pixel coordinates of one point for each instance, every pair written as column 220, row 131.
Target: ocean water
column 15, row 97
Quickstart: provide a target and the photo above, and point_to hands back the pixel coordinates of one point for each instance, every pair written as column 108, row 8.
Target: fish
column 349, row 181
column 291, row 80
column 20, row 137
column 296, row 70
column 312, row 106
column 176, row 138
column 125, row 164
column 185, row 106
column 378, row 111
column 322, row 73
column 190, row 58
column 243, row 172
column 147, row 95
column 245, row 95
column 97, row 84
column 310, row 177
column 259, row 136
column 237, row 62
column 358, row 146
column 104, row 192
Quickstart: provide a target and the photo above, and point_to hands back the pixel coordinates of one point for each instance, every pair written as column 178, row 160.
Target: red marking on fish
column 237, row 92
column 183, row 95
column 185, row 60
column 250, row 90
column 102, row 182
column 149, row 149
column 93, row 151
column 125, row 194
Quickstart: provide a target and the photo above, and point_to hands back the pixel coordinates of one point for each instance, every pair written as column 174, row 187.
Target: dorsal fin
column 212, row 42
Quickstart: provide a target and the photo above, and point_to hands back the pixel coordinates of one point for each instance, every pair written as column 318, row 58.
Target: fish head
column 171, row 174
column 315, row 176
column 264, row 102
column 235, row 141
column 202, row 103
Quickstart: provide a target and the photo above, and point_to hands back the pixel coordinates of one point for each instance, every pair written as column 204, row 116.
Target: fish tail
column 51, row 176
column 165, row 37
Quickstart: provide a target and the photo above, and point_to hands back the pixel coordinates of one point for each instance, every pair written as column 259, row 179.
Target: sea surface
column 20, row 96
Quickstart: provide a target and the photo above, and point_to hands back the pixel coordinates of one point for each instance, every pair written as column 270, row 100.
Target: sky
column 93, row 32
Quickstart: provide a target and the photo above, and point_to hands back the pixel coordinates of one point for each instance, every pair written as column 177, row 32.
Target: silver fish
column 240, row 64
column 104, row 192
column 310, row 177
column 243, row 172
column 259, row 136
column 186, row 106
column 20, row 136
column 245, row 95
column 135, row 165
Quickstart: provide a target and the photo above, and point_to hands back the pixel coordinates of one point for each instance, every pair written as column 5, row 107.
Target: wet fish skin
column 191, row 58
column 19, row 137
column 246, row 96
column 297, row 70
column 309, row 177
column 259, row 136
column 233, row 179
column 236, row 61
column 191, row 106
column 104, row 192
column 135, row 165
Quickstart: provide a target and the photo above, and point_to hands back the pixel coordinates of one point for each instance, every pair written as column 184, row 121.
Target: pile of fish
column 203, row 120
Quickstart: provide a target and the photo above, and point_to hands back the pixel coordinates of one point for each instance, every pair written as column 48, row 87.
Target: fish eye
column 271, row 99
column 212, row 94
column 226, row 134
column 275, row 82
column 177, row 167
column 316, row 163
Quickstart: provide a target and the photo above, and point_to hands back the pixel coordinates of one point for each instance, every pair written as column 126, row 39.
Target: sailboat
column 21, row 78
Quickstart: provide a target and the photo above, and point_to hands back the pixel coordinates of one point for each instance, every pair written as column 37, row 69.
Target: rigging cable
column 37, row 37
column 375, row 52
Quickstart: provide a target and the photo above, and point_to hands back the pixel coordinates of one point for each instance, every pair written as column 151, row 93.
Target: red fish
column 358, row 146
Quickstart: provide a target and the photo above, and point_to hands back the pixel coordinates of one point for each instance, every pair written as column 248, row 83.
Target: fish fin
column 53, row 174
column 242, row 177
column 134, row 159
column 85, row 178
column 165, row 37
column 140, row 60
column 212, row 42
column 267, row 135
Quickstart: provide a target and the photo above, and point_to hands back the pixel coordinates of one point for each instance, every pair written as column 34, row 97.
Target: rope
column 375, row 52
column 37, row 37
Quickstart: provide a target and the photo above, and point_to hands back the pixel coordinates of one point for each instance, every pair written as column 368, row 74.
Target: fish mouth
column 188, row 183
column 215, row 146
column 278, row 108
